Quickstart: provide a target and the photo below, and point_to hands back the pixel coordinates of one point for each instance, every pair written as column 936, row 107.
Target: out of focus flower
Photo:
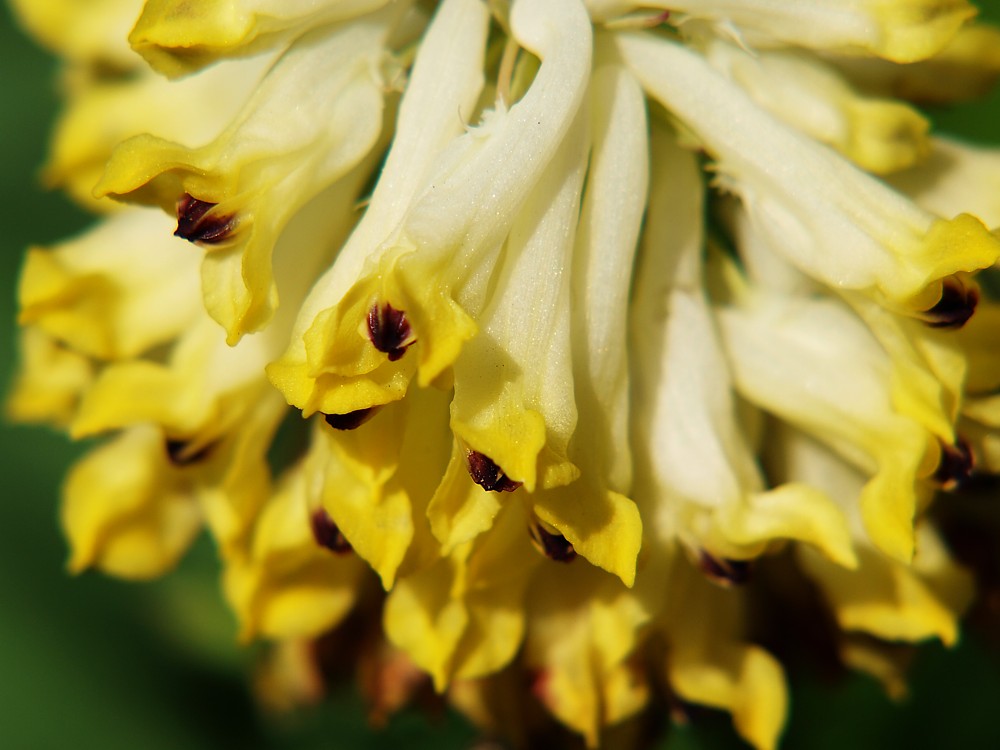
column 595, row 310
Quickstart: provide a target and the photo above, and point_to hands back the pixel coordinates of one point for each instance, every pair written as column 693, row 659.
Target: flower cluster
column 596, row 309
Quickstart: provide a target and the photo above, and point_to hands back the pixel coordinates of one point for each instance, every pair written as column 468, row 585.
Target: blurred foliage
column 90, row 662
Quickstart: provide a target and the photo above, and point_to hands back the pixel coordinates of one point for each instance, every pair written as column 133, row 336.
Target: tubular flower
column 596, row 311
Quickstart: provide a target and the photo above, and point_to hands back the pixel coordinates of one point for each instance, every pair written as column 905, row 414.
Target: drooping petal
column 288, row 585
column 379, row 478
column 101, row 113
column 49, row 382
column 708, row 489
column 94, row 32
column 899, row 30
column 443, row 89
column 120, row 288
column 324, row 96
column 126, row 510
column 955, row 175
column 583, row 633
column 882, row 597
column 967, row 67
column 879, row 135
column 594, row 514
column 178, row 37
column 831, row 220
column 790, row 357
column 710, row 662
column 463, row 616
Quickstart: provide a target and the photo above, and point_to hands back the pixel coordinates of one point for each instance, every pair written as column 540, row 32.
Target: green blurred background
column 89, row 662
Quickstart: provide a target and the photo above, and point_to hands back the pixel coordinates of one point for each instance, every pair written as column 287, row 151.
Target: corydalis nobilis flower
column 603, row 316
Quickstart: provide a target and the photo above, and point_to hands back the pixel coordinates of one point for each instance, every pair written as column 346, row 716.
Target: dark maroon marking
column 196, row 225
column 389, row 330
column 180, row 455
column 724, row 571
column 553, row 546
column 957, row 304
column 327, row 533
column 487, row 474
column 352, row 419
column 955, row 466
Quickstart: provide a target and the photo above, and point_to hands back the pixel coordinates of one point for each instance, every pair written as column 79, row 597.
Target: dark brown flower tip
column 352, row 419
column 327, row 533
column 553, row 546
column 723, row 571
column 955, row 466
column 389, row 330
column 957, row 304
column 195, row 223
column 487, row 474
column 182, row 453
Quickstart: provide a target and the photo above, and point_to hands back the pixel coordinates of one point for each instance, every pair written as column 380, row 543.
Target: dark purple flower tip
column 723, row 571
column 957, row 304
column 955, row 465
column 196, row 223
column 352, row 419
column 487, row 474
column 327, row 534
column 181, row 453
column 553, row 546
column 389, row 330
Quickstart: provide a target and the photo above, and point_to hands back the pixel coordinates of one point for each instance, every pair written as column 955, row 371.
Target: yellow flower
column 595, row 308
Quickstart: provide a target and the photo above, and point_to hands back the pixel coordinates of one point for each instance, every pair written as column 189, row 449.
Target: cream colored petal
column 956, row 177
column 879, row 135
column 812, row 363
column 593, row 514
column 314, row 117
column 900, row 30
column 94, row 32
column 178, row 37
column 441, row 94
column 514, row 400
column 967, row 67
column 833, row 221
column 436, row 266
column 101, row 113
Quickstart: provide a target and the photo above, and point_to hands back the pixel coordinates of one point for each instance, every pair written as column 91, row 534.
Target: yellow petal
column 92, row 32
column 827, row 217
column 324, row 95
column 709, row 663
column 378, row 480
column 900, row 30
column 289, row 586
column 126, row 510
column 49, row 382
column 582, row 632
column 463, row 616
column 117, row 290
column 177, row 37
column 879, row 135
column 893, row 601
